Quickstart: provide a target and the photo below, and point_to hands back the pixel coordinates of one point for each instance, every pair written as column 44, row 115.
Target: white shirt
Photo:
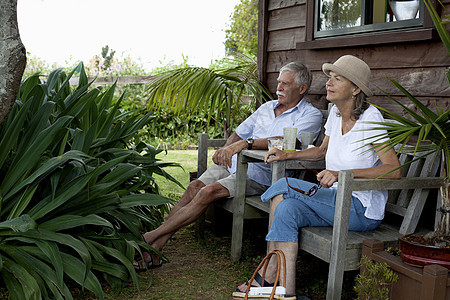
column 350, row 151
column 262, row 124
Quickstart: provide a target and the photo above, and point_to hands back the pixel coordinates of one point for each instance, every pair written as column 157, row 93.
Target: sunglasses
column 312, row 191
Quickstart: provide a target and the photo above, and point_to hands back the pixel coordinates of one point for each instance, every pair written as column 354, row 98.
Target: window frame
column 403, row 31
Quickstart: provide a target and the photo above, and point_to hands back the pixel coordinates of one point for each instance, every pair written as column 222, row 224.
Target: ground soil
column 201, row 269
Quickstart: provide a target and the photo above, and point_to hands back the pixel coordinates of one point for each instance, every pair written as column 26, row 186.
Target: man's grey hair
column 303, row 74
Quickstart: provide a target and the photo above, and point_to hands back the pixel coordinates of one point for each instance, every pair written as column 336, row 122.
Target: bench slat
column 254, row 207
column 394, row 184
column 317, row 241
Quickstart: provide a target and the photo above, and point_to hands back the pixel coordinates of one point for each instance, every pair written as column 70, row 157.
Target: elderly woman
column 297, row 203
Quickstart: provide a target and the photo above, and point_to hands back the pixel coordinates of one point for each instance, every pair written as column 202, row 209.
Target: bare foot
column 147, row 261
column 147, row 238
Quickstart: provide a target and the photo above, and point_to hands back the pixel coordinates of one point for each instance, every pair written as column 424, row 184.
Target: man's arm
column 232, row 139
column 235, row 144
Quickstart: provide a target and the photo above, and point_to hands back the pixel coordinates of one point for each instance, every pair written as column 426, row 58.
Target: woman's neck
column 346, row 110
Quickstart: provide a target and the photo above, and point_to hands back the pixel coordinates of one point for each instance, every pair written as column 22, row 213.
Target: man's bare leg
column 185, row 215
column 193, row 188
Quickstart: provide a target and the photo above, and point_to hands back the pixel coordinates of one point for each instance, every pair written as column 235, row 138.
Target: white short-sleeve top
column 351, row 151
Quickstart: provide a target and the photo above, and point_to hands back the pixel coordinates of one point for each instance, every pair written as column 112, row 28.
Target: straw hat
column 352, row 68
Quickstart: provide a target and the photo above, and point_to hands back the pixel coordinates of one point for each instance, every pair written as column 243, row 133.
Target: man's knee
column 212, row 192
column 195, row 186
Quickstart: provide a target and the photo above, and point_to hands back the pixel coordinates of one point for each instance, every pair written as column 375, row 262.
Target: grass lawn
column 188, row 161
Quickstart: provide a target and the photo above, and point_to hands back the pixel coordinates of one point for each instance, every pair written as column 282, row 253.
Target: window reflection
column 340, row 14
column 336, row 14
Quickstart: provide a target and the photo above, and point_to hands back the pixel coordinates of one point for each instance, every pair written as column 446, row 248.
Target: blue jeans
column 298, row 210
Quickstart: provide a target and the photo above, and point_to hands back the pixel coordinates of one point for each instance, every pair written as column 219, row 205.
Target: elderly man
column 290, row 110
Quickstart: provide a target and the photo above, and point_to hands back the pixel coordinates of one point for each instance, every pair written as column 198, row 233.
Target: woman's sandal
column 141, row 265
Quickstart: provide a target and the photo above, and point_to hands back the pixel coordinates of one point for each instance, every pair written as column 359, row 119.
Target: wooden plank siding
column 419, row 66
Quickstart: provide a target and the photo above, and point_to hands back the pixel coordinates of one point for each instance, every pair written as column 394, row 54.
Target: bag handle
column 281, row 260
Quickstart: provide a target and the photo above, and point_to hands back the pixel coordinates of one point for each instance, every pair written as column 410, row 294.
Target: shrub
column 375, row 280
column 76, row 188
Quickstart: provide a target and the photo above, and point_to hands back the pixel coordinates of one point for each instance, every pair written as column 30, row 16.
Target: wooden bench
column 336, row 245
column 407, row 196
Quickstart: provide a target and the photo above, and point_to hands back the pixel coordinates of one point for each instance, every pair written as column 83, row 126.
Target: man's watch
column 249, row 143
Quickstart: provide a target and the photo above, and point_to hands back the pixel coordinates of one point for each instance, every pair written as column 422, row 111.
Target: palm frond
column 191, row 90
column 429, row 129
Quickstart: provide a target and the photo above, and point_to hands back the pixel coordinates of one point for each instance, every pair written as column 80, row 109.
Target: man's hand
column 223, row 156
column 233, row 145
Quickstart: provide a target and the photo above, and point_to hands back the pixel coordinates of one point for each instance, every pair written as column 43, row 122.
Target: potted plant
column 432, row 130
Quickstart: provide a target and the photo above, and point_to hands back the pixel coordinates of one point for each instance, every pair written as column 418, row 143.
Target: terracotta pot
column 421, row 255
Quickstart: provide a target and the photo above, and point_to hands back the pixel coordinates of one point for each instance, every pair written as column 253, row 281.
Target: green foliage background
column 169, row 131
column 242, row 35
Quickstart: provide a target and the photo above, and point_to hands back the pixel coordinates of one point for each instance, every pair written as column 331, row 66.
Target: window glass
column 339, row 14
column 340, row 17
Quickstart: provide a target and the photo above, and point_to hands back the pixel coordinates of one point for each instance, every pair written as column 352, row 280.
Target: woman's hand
column 275, row 154
column 327, row 178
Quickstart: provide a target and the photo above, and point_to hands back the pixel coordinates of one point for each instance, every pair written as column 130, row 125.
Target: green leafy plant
column 188, row 91
column 439, row 24
column 375, row 280
column 76, row 188
column 430, row 129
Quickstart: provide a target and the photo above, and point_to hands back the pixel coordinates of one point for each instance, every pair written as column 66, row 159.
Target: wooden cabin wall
column 419, row 66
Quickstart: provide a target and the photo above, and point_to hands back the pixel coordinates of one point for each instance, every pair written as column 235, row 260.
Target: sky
column 148, row 30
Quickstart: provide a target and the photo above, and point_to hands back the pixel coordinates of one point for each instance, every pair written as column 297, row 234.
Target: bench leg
column 340, row 235
column 236, row 238
column 238, row 209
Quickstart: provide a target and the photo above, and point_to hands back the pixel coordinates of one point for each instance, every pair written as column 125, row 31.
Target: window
column 347, row 23
column 342, row 17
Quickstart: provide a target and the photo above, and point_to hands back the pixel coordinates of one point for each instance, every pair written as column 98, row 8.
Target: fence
column 120, row 80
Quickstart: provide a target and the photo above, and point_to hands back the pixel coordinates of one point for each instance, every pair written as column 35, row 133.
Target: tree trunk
column 443, row 226
column 12, row 57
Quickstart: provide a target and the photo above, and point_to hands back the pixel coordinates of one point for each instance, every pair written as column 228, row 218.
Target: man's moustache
column 281, row 94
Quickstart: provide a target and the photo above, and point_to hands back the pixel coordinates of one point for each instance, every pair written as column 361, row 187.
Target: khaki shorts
column 220, row 174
